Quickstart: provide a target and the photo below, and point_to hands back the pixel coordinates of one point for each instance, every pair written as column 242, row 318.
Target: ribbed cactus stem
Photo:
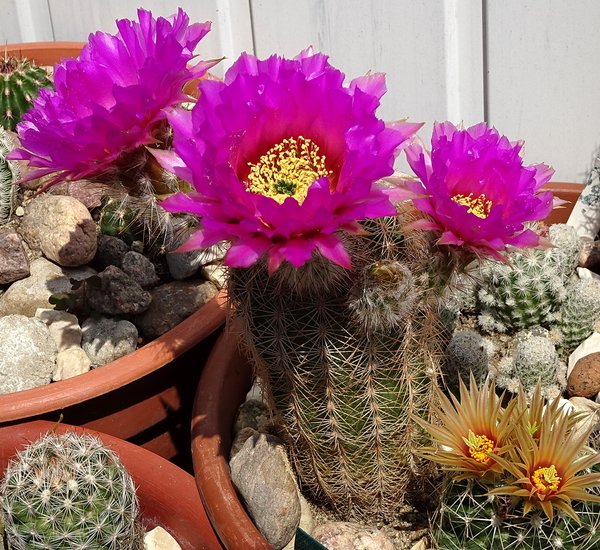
column 9, row 174
column 20, row 81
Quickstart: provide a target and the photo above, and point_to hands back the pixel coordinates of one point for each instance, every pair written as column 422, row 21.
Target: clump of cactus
column 20, row 80
column 468, row 354
column 69, row 492
column 9, row 174
column 515, row 477
column 529, row 291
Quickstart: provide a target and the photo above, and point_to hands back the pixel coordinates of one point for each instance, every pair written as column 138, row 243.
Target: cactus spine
column 342, row 380
column 20, row 81
column 68, row 492
column 9, row 174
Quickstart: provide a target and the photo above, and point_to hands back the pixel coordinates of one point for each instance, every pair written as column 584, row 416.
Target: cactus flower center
column 480, row 206
column 479, row 446
column 546, row 479
column 287, row 170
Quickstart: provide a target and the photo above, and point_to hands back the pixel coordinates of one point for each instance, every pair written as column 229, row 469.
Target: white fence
column 528, row 68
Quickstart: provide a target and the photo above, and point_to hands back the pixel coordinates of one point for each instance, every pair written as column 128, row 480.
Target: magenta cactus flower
column 282, row 155
column 475, row 190
column 112, row 98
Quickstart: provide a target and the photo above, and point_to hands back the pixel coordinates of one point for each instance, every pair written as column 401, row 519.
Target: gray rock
column 118, row 294
column 307, row 522
column 105, row 340
column 62, row 228
column 239, row 439
column 171, row 304
column 14, row 264
column 27, row 353
column 25, row 296
column 140, row 269
column 183, row 265
column 341, row 535
column 261, row 474
column 111, row 251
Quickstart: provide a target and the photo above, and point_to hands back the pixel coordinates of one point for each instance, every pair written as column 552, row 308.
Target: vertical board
column 25, row 21
column 544, row 82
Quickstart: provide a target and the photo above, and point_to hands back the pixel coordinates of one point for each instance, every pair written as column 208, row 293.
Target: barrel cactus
column 9, row 174
column 68, row 492
column 20, row 80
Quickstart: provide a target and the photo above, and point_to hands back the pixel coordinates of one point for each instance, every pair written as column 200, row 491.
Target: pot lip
column 44, row 53
column 118, row 373
column 155, row 478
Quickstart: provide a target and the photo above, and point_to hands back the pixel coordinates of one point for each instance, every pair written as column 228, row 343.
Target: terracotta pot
column 226, row 379
column 145, row 397
column 168, row 495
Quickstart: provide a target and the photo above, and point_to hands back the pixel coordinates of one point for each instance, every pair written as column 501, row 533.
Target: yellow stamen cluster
column 479, row 206
column 546, row 479
column 479, row 446
column 287, row 170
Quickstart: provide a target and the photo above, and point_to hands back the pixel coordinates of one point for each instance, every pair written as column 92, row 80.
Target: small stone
column 341, row 535
column 159, row 539
column 584, row 380
column 63, row 326
column 260, row 472
column 105, row 340
column 590, row 345
column 14, row 264
column 140, row 269
column 254, row 414
column 589, row 256
column 62, row 228
column 71, row 362
column 111, row 251
column 240, row 439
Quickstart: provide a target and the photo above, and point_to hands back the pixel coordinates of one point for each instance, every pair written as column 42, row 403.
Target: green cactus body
column 579, row 313
column 68, row 492
column 472, row 520
column 467, row 354
column 9, row 174
column 20, row 81
column 528, row 292
column 343, row 383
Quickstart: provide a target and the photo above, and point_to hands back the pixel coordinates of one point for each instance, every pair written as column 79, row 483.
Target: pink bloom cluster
column 475, row 190
column 282, row 155
column 111, row 98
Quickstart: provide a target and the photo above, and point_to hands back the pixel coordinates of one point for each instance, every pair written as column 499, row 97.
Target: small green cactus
column 528, row 292
column 9, row 173
column 68, row 492
column 467, row 353
column 20, row 81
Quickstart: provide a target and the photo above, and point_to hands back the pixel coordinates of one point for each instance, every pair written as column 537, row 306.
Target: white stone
column 63, row 326
column 71, row 362
column 590, row 345
column 585, row 273
column 159, row 539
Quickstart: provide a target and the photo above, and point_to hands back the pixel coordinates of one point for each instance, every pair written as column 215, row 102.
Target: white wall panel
column 544, row 83
column 25, row 21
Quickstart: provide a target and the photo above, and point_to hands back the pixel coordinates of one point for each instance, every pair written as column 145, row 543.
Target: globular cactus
column 20, row 81
column 68, row 492
column 468, row 353
column 344, row 367
column 9, row 173
column 528, row 292
column 579, row 313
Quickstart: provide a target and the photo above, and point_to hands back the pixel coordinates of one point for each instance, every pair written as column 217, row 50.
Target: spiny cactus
column 20, row 81
column 343, row 387
column 579, row 313
column 467, row 354
column 528, row 292
column 68, row 492
column 9, row 174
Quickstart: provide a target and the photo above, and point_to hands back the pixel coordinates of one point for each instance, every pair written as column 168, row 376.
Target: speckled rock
column 159, row 539
column 105, row 340
column 341, row 535
column 62, row 228
column 584, row 380
column 253, row 414
column 110, row 251
column 140, row 269
column 14, row 264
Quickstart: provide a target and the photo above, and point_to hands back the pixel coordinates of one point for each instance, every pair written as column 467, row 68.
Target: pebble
column 341, row 535
column 14, row 264
column 140, row 269
column 589, row 257
column 71, row 362
column 584, row 380
column 62, row 228
column 105, row 340
column 590, row 345
column 110, row 251
column 159, row 539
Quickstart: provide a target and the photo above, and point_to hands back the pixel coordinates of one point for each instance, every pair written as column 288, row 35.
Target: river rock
column 111, row 251
column 261, row 473
column 118, row 294
column 25, row 296
column 172, row 303
column 63, row 326
column 342, row 535
column 584, row 380
column 27, row 353
column 159, row 539
column 62, row 228
column 105, row 340
column 14, row 264
column 140, row 269
column 71, row 362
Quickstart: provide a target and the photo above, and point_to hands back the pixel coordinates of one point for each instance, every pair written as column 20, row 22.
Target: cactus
column 66, row 492
column 578, row 313
column 467, row 354
column 20, row 80
column 9, row 174
column 528, row 292
column 343, row 387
